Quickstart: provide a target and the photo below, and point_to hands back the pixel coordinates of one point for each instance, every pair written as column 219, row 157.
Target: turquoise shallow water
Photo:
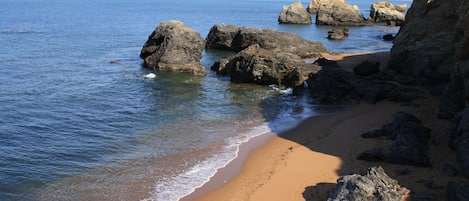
column 76, row 127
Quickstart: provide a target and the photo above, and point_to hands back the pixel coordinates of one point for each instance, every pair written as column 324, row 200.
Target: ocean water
column 75, row 126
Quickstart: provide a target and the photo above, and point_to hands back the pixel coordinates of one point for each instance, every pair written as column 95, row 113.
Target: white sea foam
column 185, row 183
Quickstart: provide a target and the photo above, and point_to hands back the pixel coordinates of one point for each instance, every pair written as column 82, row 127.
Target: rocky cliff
column 432, row 47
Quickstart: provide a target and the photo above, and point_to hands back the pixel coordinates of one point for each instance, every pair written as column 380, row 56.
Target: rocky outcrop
column 386, row 12
column 265, row 67
column 232, row 38
column 337, row 33
column 295, row 13
column 410, row 144
column 423, row 51
column 174, row 47
column 337, row 12
column 373, row 186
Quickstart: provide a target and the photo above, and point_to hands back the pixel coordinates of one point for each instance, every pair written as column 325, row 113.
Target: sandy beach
column 304, row 163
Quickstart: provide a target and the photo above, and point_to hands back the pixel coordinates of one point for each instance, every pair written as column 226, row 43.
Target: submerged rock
column 174, row 47
column 375, row 185
column 295, row 13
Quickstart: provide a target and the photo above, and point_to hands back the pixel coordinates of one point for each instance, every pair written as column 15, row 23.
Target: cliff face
column 425, row 44
column 434, row 42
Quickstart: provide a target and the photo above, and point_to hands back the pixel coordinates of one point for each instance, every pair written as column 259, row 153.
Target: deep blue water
column 75, row 126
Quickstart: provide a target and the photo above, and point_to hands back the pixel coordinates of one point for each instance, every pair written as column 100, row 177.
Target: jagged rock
column 174, row 47
column 452, row 101
column 375, row 185
column 366, row 68
column 386, row 12
column 260, row 66
column 337, row 33
column 456, row 192
column 410, row 146
column 459, row 140
column 295, row 13
column 232, row 38
column 338, row 12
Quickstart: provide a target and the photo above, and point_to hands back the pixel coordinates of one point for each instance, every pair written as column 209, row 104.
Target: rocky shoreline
column 424, row 59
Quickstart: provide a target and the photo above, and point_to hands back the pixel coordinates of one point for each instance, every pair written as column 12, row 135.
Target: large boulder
column 386, row 12
column 174, row 47
column 232, row 38
column 295, row 13
column 265, row 67
column 338, row 12
column 375, row 185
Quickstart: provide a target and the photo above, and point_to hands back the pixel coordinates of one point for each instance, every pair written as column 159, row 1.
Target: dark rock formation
column 336, row 86
column 426, row 51
column 388, row 37
column 174, row 47
column 459, row 140
column 386, row 12
column 456, row 192
column 338, row 12
column 260, row 66
column 232, row 38
column 332, row 86
column 323, row 62
column 337, row 33
column 452, row 101
column 375, row 185
column 295, row 13
column 410, row 145
column 366, row 68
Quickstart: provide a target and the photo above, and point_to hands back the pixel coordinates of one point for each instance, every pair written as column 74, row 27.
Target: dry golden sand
column 305, row 162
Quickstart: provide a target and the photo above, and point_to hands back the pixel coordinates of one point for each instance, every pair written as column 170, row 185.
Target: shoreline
column 234, row 168
column 285, row 166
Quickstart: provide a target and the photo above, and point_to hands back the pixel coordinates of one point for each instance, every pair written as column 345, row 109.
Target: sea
column 79, row 121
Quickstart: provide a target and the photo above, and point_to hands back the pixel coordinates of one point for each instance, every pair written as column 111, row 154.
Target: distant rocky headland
column 430, row 52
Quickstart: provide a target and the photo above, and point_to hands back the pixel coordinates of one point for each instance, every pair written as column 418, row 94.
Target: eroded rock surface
column 174, row 47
